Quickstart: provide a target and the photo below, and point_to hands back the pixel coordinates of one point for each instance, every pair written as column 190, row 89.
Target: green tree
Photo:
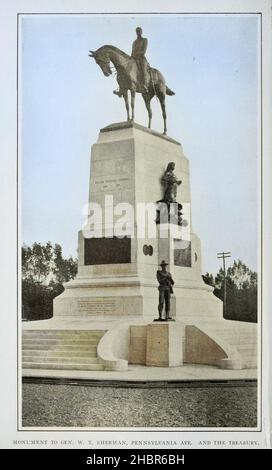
column 44, row 270
column 208, row 279
column 63, row 269
column 241, row 291
column 36, row 261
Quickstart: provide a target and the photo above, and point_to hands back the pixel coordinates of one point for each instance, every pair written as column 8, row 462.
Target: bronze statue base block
column 164, row 319
column 164, row 344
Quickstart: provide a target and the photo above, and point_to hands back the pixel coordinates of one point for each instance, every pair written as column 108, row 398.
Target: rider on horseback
column 129, row 77
column 139, row 47
column 138, row 52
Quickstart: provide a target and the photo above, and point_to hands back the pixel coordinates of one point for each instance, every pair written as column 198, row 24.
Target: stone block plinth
column 164, row 344
column 137, row 346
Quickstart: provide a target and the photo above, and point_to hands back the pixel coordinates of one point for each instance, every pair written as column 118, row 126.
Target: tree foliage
column 44, row 270
column 241, row 285
column 36, row 261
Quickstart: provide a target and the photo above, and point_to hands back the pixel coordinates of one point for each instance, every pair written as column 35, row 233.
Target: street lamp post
column 224, row 255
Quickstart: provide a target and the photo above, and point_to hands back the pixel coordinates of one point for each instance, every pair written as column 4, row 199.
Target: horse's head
column 101, row 57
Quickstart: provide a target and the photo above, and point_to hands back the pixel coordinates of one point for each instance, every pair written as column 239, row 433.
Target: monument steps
column 56, row 358
column 62, row 366
column 60, row 353
column 61, row 349
column 62, row 333
column 244, row 339
column 245, row 347
column 241, row 337
column 249, row 363
column 63, row 342
column 230, row 334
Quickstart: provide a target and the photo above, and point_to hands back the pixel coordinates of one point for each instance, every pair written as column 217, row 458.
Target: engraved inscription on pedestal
column 107, row 250
column 111, row 184
column 97, row 306
column 182, row 253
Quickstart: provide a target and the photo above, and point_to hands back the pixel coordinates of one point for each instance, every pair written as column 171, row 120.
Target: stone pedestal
column 117, row 277
column 137, row 344
column 164, row 344
column 157, row 344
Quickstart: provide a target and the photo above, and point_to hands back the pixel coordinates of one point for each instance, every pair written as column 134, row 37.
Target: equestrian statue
column 135, row 74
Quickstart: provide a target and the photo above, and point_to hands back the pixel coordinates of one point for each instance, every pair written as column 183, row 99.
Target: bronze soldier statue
column 139, row 47
column 168, row 209
column 165, row 290
column 171, row 182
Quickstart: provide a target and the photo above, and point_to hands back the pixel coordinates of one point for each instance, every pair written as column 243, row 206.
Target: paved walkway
column 142, row 408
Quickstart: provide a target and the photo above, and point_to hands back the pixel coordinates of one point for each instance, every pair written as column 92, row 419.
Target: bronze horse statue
column 128, row 78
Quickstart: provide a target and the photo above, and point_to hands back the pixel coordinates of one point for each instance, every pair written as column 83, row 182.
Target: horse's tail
column 169, row 92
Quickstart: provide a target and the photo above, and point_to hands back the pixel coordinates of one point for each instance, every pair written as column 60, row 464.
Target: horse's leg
column 132, row 92
column 147, row 98
column 161, row 97
column 127, row 104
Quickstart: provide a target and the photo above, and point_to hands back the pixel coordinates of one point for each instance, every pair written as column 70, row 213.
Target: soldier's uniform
column 139, row 47
column 165, row 290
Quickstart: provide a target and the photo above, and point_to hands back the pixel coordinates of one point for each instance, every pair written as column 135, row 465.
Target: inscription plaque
column 97, row 306
column 107, row 250
column 182, row 253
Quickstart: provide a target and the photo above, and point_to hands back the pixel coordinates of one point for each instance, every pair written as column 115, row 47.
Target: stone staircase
column 61, row 349
column 241, row 336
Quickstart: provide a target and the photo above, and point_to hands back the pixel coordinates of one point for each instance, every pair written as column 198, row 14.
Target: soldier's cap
column 163, row 263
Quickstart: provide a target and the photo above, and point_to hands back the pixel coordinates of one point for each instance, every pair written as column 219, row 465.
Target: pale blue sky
column 211, row 62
